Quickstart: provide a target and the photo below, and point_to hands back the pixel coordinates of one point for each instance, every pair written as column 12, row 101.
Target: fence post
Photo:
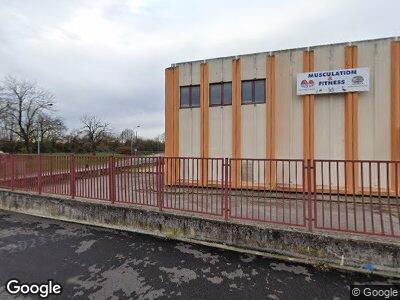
column 112, row 179
column 160, row 182
column 72, row 175
column 12, row 172
column 309, row 193
column 225, row 185
column 40, row 174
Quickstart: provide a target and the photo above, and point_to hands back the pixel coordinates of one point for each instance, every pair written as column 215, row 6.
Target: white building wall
column 189, row 122
column 220, row 119
column 289, row 106
column 374, row 109
column 253, row 119
column 189, row 73
column 374, row 106
column 329, row 126
column 329, row 108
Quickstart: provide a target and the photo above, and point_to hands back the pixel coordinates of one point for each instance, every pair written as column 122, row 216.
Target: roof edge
column 270, row 52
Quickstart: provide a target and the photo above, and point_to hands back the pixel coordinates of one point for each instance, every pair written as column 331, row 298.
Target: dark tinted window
column 259, row 89
column 227, row 93
column 221, row 93
column 195, row 96
column 215, row 94
column 190, row 96
column 253, row 91
column 247, row 93
column 185, row 96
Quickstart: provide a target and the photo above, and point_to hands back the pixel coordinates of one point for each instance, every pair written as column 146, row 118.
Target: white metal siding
column 329, row 109
column 289, row 106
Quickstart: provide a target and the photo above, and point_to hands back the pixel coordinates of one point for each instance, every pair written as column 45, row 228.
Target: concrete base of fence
column 344, row 251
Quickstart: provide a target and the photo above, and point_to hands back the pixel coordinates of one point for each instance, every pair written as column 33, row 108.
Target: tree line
column 28, row 116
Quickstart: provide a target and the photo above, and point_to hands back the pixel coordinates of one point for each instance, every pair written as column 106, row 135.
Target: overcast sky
column 107, row 57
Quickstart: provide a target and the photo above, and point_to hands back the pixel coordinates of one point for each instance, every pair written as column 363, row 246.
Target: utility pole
column 135, row 136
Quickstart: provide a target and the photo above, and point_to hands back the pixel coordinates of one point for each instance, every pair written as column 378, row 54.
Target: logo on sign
column 357, row 79
column 307, row 84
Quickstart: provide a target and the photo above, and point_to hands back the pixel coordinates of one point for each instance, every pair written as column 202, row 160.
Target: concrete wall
column 284, row 243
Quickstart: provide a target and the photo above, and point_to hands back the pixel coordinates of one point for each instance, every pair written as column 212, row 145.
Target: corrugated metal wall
column 374, row 106
column 220, row 117
column 329, row 139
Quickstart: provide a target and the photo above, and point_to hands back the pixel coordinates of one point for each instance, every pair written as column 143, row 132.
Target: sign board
column 334, row 81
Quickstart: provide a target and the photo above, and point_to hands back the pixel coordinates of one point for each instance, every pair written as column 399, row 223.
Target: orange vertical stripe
column 169, row 104
column 171, row 121
column 308, row 110
column 176, row 111
column 351, row 124
column 354, row 112
column 204, row 120
column 236, row 120
column 348, row 107
column 308, row 114
column 311, row 110
column 176, row 168
column 395, row 111
column 271, row 104
column 355, row 108
column 169, row 125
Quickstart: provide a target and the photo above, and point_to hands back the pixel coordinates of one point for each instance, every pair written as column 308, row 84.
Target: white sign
column 334, row 81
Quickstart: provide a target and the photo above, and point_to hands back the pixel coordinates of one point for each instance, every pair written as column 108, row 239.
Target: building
column 262, row 105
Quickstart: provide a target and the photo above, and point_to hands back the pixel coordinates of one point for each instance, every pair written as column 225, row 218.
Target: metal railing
column 339, row 195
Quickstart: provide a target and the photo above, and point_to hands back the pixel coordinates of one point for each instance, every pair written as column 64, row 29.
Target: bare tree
column 50, row 128
column 95, row 130
column 161, row 138
column 127, row 135
column 24, row 102
column 3, row 106
column 3, row 109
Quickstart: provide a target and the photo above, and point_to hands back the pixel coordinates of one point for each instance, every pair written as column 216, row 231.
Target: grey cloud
column 108, row 57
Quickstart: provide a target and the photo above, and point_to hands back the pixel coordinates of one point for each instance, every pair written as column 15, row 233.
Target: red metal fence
column 357, row 196
column 351, row 196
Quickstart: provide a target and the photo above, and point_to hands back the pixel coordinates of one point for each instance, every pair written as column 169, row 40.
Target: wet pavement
column 96, row 263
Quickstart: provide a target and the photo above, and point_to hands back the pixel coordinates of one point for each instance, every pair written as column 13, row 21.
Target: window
column 190, row 96
column 247, row 91
column 221, row 93
column 185, row 96
column 215, row 94
column 253, row 91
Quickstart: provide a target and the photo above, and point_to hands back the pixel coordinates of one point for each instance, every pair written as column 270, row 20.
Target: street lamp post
column 135, row 136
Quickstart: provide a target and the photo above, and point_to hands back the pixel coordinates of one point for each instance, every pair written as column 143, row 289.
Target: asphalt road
column 96, row 263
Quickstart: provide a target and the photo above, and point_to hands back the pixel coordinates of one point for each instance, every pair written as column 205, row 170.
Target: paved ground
column 97, row 263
